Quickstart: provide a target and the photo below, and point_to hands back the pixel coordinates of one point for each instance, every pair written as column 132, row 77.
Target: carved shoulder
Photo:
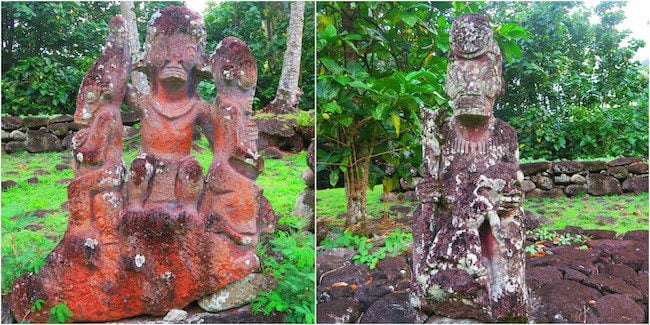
column 507, row 136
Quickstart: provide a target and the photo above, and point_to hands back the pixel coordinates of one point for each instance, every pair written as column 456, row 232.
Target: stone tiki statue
column 468, row 256
column 161, row 234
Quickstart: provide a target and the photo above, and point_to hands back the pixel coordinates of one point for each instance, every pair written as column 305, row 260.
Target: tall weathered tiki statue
column 468, row 257
column 161, row 234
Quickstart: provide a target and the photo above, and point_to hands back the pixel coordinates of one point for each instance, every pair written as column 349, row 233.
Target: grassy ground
column 33, row 220
column 620, row 213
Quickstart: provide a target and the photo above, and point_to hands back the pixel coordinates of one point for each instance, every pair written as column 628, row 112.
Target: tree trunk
column 138, row 78
column 287, row 96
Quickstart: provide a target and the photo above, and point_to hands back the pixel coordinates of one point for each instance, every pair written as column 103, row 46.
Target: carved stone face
column 474, row 74
column 173, row 57
column 499, row 188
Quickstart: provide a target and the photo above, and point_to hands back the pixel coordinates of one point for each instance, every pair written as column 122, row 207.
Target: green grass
column 27, row 239
column 621, row 213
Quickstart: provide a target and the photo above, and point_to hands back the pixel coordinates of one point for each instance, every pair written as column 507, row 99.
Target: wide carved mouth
column 472, row 108
column 173, row 73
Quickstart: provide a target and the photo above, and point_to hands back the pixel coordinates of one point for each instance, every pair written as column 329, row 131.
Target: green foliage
column 379, row 64
column 395, row 244
column 38, row 304
column 544, row 235
column 40, row 86
column 575, row 91
column 60, row 313
column 263, row 26
column 294, row 270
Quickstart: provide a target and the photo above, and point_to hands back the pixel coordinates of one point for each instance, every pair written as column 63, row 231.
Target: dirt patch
column 601, row 221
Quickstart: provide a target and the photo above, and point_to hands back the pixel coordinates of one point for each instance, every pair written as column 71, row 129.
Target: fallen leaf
column 340, row 284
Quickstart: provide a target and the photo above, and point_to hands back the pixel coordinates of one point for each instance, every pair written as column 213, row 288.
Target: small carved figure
column 470, row 216
column 97, row 149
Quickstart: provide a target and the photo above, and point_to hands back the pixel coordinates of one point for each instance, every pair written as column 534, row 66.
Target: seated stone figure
column 97, row 149
column 165, row 174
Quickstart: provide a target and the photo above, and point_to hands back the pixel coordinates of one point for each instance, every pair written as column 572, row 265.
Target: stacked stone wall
column 36, row 134
column 598, row 178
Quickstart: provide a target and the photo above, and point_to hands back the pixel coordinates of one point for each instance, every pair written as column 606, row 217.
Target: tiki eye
column 190, row 53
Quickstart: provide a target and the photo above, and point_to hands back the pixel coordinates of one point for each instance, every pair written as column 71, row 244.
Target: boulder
column 638, row 168
column 308, row 178
column 618, row 309
column 578, row 179
column 39, row 141
column 594, row 166
column 527, row 186
column 338, row 311
column 393, row 308
column 636, row 235
column 536, row 193
column 304, row 207
column 66, row 143
column 175, row 316
column 17, row 135
column 368, row 294
column 394, row 267
column 58, row 129
column 623, row 272
column 537, row 277
column 333, row 259
column 238, row 293
column 563, row 301
column 575, row 189
column 35, row 123
column 535, row 168
column 562, row 179
column 600, row 233
column 10, row 123
column 14, row 146
column 567, row 167
column 543, row 182
column 130, row 118
column 8, row 184
column 272, row 153
column 607, row 283
column 637, row 184
column 619, row 172
column 599, row 185
column 623, row 161
column 243, row 315
column 61, row 119
column 352, row 274
column 5, row 136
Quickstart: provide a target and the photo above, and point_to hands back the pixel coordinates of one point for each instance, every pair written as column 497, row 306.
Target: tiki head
column 174, row 48
column 474, row 73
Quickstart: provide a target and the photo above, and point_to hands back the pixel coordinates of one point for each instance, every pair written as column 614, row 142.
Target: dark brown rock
column 619, row 172
column 636, row 184
column 530, row 169
column 130, row 118
column 594, row 166
column 537, row 277
column 61, row 119
column 338, row 311
column 618, row 309
column 368, row 294
column 58, row 129
column 61, row 167
column 66, row 143
column 10, row 123
column 637, row 235
column 543, row 182
column 393, row 308
column 638, row 168
column 567, row 167
column 15, row 146
column 623, row 272
column 39, row 141
column 607, row 284
column 536, row 193
column 623, row 161
column 600, row 185
column 32, row 180
column 273, row 153
column 8, row 184
column 34, row 122
column 243, row 314
column 333, row 259
column 353, row 274
column 563, row 301
column 395, row 268
column 600, row 234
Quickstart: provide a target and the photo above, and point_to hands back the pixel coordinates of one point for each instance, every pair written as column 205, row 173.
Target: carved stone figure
column 155, row 238
column 468, row 234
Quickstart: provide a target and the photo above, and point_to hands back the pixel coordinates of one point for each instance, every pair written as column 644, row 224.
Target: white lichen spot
column 139, row 260
column 80, row 157
column 111, row 198
column 91, row 243
column 246, row 240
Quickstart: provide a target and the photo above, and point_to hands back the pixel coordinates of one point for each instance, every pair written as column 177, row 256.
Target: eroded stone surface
column 154, row 238
column 468, row 233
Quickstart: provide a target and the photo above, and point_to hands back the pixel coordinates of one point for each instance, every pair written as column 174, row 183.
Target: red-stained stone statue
column 468, row 233
column 162, row 234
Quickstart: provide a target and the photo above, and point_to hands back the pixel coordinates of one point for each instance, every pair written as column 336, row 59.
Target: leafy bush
column 395, row 244
column 583, row 132
column 294, row 271
column 38, row 85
